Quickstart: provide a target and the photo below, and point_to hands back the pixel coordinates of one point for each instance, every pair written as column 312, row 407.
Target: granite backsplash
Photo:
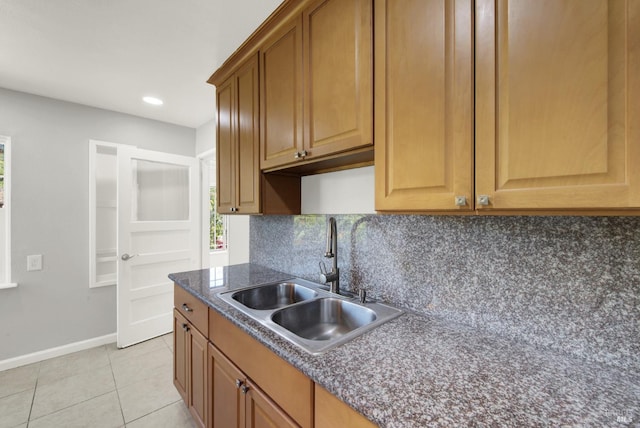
column 571, row 284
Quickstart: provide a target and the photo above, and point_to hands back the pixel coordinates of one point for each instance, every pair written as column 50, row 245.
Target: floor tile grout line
column 38, row 383
column 35, row 390
column 150, row 413
column 68, row 407
column 124, row 421
column 33, row 399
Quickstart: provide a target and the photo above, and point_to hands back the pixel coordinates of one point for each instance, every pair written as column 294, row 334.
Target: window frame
column 5, row 281
column 215, row 257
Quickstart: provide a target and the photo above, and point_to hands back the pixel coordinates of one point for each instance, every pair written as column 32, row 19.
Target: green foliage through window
column 217, row 232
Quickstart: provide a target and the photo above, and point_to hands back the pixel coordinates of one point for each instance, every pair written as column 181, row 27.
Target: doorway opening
column 145, row 224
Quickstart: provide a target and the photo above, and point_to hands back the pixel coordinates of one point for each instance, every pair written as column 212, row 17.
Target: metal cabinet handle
column 244, row 389
column 185, row 327
column 296, row 155
column 239, row 383
column 483, row 200
column 461, row 201
column 304, row 153
column 186, row 308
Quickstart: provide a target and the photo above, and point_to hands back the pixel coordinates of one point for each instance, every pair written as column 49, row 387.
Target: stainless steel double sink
column 307, row 315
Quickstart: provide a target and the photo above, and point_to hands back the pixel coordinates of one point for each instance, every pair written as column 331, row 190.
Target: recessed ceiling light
column 153, row 101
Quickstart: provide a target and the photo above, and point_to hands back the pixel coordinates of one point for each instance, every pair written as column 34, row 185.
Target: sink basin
column 323, row 319
column 273, row 296
column 305, row 314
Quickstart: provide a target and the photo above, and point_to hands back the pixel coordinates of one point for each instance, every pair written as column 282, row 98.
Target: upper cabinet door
column 424, row 105
column 248, row 147
column 338, row 70
column 225, row 146
column 558, row 103
column 281, row 96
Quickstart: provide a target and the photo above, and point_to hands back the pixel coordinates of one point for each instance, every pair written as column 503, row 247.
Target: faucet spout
column 331, row 252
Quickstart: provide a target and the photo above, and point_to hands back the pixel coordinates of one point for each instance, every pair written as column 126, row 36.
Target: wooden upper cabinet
column 316, row 83
column 338, row 65
column 281, row 95
column 238, row 141
column 248, row 145
column 558, row 104
column 225, row 147
column 424, row 105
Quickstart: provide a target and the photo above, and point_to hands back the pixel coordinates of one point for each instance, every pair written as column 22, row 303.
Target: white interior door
column 158, row 233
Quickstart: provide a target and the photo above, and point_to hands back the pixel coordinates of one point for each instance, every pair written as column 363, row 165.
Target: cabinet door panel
column 226, row 402
column 180, row 345
column 424, row 102
column 338, row 73
column 261, row 412
column 557, row 90
column 248, row 121
column 281, row 96
column 198, row 377
column 225, row 147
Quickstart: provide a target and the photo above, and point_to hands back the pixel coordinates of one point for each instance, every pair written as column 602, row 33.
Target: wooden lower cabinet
column 236, row 402
column 230, row 380
column 190, row 366
column 331, row 412
column 225, row 399
column 261, row 412
column 180, row 345
column 284, row 384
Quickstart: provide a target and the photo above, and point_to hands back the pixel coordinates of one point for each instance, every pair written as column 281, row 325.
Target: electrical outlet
column 34, row 262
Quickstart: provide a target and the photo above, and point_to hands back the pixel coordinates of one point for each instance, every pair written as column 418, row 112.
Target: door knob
column 126, row 256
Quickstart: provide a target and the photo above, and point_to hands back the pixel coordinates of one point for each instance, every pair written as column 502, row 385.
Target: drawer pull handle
column 186, row 308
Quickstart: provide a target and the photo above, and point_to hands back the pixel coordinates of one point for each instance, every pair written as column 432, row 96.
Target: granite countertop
column 418, row 371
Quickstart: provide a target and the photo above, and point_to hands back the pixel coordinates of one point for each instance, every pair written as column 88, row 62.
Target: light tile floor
column 99, row 387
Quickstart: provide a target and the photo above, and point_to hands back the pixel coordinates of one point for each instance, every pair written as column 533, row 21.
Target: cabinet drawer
column 284, row 384
column 192, row 309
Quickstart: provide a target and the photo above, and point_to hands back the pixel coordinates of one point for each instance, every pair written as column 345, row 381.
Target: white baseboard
column 35, row 357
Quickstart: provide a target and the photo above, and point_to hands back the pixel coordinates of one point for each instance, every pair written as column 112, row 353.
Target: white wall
column 342, row 192
column 50, row 143
column 206, row 137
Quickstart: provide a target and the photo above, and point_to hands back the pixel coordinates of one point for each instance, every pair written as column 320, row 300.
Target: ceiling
column 111, row 53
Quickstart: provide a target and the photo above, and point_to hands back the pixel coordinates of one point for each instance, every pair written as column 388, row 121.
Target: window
column 2, row 174
column 217, row 224
column 5, row 213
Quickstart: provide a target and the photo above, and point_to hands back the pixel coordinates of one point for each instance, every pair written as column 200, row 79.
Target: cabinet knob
column 185, row 327
column 244, row 389
column 186, row 308
column 296, row 155
column 304, row 153
column 239, row 383
column 461, row 201
column 233, row 209
column 483, row 200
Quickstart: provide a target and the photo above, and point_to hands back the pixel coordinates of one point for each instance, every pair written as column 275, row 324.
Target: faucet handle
column 362, row 295
column 323, row 267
